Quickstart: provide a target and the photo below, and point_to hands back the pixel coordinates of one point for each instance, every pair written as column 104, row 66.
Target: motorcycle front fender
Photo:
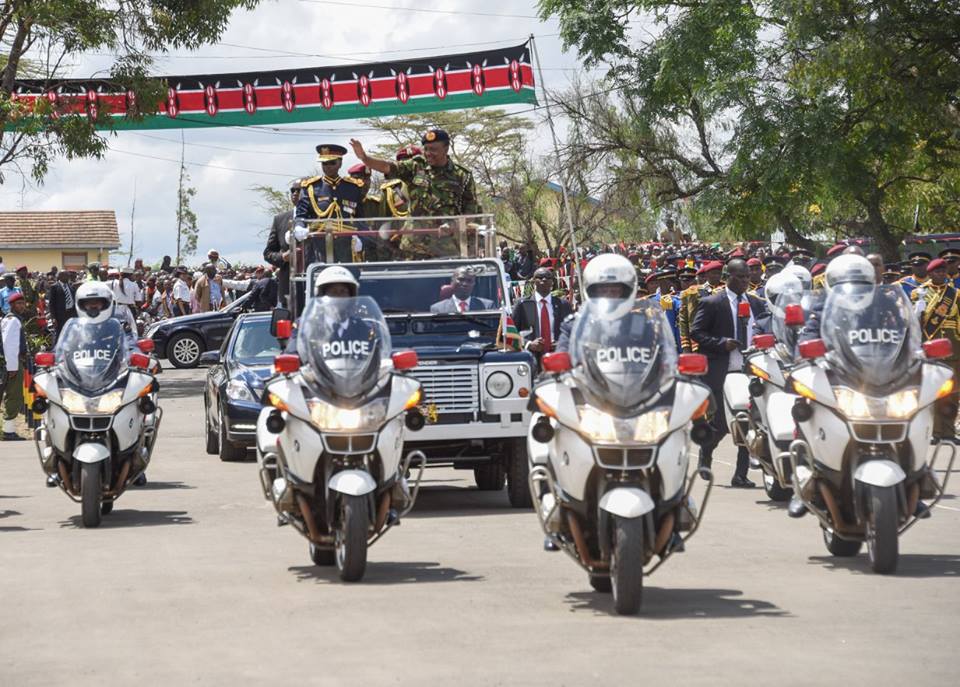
column 880, row 473
column 627, row 502
column 91, row 452
column 352, row 483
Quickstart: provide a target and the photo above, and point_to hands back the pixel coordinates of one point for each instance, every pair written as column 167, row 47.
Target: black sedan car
column 182, row 340
column 234, row 385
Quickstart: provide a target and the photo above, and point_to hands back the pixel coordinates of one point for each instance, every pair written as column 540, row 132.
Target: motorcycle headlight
column 651, row 426
column 237, row 390
column 903, row 404
column 78, row 404
column 331, row 418
column 499, row 384
column 108, row 403
column 73, row 402
column 852, row 403
column 600, row 426
column 855, row 405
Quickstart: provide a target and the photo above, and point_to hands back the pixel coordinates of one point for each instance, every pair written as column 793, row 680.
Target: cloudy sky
column 226, row 162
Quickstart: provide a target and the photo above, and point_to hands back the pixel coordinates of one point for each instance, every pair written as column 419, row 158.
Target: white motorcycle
column 99, row 414
column 609, row 448
column 865, row 418
column 330, row 439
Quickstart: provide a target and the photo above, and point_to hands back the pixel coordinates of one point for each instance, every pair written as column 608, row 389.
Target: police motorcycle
column 771, row 426
column 609, row 444
column 865, row 455
column 97, row 396
column 330, row 438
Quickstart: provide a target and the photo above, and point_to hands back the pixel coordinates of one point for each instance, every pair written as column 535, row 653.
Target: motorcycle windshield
column 345, row 342
column 787, row 336
column 623, row 353
column 91, row 356
column 871, row 334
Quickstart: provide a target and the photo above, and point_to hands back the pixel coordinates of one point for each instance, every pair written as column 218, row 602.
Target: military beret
column 817, row 269
column 650, row 277
column 937, row 264
column 407, row 152
column 21, row 268
column 710, row 267
column 327, row 152
column 358, row 169
column 754, row 262
column 949, row 254
column 836, row 249
column 14, row 297
column 435, row 135
column 737, row 253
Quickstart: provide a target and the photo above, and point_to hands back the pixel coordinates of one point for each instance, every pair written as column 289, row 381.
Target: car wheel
column 229, row 451
column 213, row 439
column 489, row 476
column 184, row 350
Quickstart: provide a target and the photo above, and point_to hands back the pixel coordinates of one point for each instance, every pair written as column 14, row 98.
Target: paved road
column 190, row 581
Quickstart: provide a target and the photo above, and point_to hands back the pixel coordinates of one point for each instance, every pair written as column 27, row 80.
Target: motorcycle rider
column 605, row 276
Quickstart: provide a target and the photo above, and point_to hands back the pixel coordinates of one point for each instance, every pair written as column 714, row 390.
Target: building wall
column 42, row 259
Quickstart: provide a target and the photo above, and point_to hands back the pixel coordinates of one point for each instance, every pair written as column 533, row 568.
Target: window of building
column 74, row 261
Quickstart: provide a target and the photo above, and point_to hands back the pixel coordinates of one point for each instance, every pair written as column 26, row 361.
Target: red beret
column 936, row 264
column 817, row 269
column 838, row 248
column 544, row 262
column 754, row 262
column 650, row 277
column 23, row 268
column 737, row 253
column 710, row 267
column 407, row 152
column 14, row 297
column 357, row 169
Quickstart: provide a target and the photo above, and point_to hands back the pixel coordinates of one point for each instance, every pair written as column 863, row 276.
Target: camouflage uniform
column 437, row 192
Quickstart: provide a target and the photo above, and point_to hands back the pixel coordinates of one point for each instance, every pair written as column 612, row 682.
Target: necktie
column 545, row 332
column 463, row 306
column 741, row 325
column 67, row 296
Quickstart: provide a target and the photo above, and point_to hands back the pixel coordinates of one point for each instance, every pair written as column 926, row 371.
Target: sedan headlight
column 857, row 406
column 237, row 390
column 646, row 429
column 331, row 418
column 499, row 384
column 78, row 404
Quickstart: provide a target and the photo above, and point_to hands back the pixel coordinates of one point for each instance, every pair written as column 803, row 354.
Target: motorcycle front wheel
column 351, row 538
column 90, row 494
column 883, row 546
column 626, row 565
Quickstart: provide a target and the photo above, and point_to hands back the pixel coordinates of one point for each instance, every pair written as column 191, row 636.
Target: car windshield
column 623, row 354
column 254, row 344
column 430, row 286
column 870, row 333
column 91, row 356
column 346, row 343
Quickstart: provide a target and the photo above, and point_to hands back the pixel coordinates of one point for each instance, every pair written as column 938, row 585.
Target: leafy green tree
column 817, row 117
column 37, row 37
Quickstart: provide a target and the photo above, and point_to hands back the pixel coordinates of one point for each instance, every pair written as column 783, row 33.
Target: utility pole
column 180, row 213
column 133, row 211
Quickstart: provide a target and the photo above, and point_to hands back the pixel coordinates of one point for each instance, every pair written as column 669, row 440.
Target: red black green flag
column 448, row 82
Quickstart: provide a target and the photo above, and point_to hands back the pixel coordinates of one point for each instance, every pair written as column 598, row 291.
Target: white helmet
column 801, row 273
column 335, row 274
column 610, row 268
column 780, row 283
column 94, row 302
column 850, row 268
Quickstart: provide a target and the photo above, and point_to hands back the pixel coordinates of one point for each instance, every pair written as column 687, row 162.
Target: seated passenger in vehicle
column 462, row 300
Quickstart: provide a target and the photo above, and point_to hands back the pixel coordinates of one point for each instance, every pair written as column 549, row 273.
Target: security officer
column 951, row 256
column 755, row 266
column 710, row 273
column 669, row 302
column 918, row 267
column 13, row 343
column 438, row 187
column 329, row 196
column 8, row 289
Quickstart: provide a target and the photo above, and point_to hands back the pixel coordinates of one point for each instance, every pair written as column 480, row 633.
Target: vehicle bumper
column 241, row 422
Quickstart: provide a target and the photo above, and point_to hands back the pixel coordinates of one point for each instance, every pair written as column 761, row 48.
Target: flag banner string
column 485, row 78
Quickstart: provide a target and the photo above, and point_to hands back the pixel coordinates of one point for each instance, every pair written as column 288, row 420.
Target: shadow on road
column 14, row 528
column 669, row 604
column 135, row 518
column 908, row 565
column 460, row 501
column 8, row 513
column 387, row 573
column 160, row 486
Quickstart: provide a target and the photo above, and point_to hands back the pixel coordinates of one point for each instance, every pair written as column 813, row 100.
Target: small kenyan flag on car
column 508, row 338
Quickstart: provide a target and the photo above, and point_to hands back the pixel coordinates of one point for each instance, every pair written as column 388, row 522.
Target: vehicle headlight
column 852, row 403
column 108, row 403
column 499, row 384
column 78, row 404
column 651, row 426
column 904, row 404
column 600, row 426
column 237, row 390
column 331, row 418
column 73, row 402
column 855, row 405
column 153, row 329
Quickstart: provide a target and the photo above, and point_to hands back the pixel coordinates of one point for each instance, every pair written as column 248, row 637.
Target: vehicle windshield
column 430, row 286
column 787, row 336
column 623, row 355
column 870, row 333
column 254, row 344
column 91, row 356
column 345, row 342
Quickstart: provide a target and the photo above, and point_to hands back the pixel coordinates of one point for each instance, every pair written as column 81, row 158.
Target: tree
column 37, row 37
column 835, row 117
column 187, row 231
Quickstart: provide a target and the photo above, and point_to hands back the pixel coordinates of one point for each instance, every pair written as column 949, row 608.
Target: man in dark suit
column 722, row 335
column 462, row 300
column 61, row 303
column 541, row 314
column 277, row 251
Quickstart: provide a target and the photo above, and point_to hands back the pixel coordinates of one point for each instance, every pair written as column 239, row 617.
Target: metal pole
column 556, row 152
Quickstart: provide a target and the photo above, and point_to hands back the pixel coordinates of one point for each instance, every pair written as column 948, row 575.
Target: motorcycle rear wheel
column 626, row 565
column 883, row 546
column 774, row 491
column 90, row 494
column 351, row 538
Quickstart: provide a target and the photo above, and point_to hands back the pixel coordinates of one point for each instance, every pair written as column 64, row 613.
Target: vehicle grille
column 451, row 388
column 880, row 432
column 349, row 443
column 83, row 423
column 625, row 458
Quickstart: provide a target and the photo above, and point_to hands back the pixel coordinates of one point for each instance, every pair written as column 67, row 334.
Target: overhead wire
column 424, row 10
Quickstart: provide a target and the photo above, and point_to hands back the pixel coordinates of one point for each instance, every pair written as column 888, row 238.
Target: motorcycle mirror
column 139, row 360
column 692, row 364
column 556, row 362
column 286, row 363
column 405, row 360
column 938, row 348
column 793, row 315
column 764, row 341
column 284, row 329
column 44, row 359
column 146, row 345
column 814, row 348
column 743, row 309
